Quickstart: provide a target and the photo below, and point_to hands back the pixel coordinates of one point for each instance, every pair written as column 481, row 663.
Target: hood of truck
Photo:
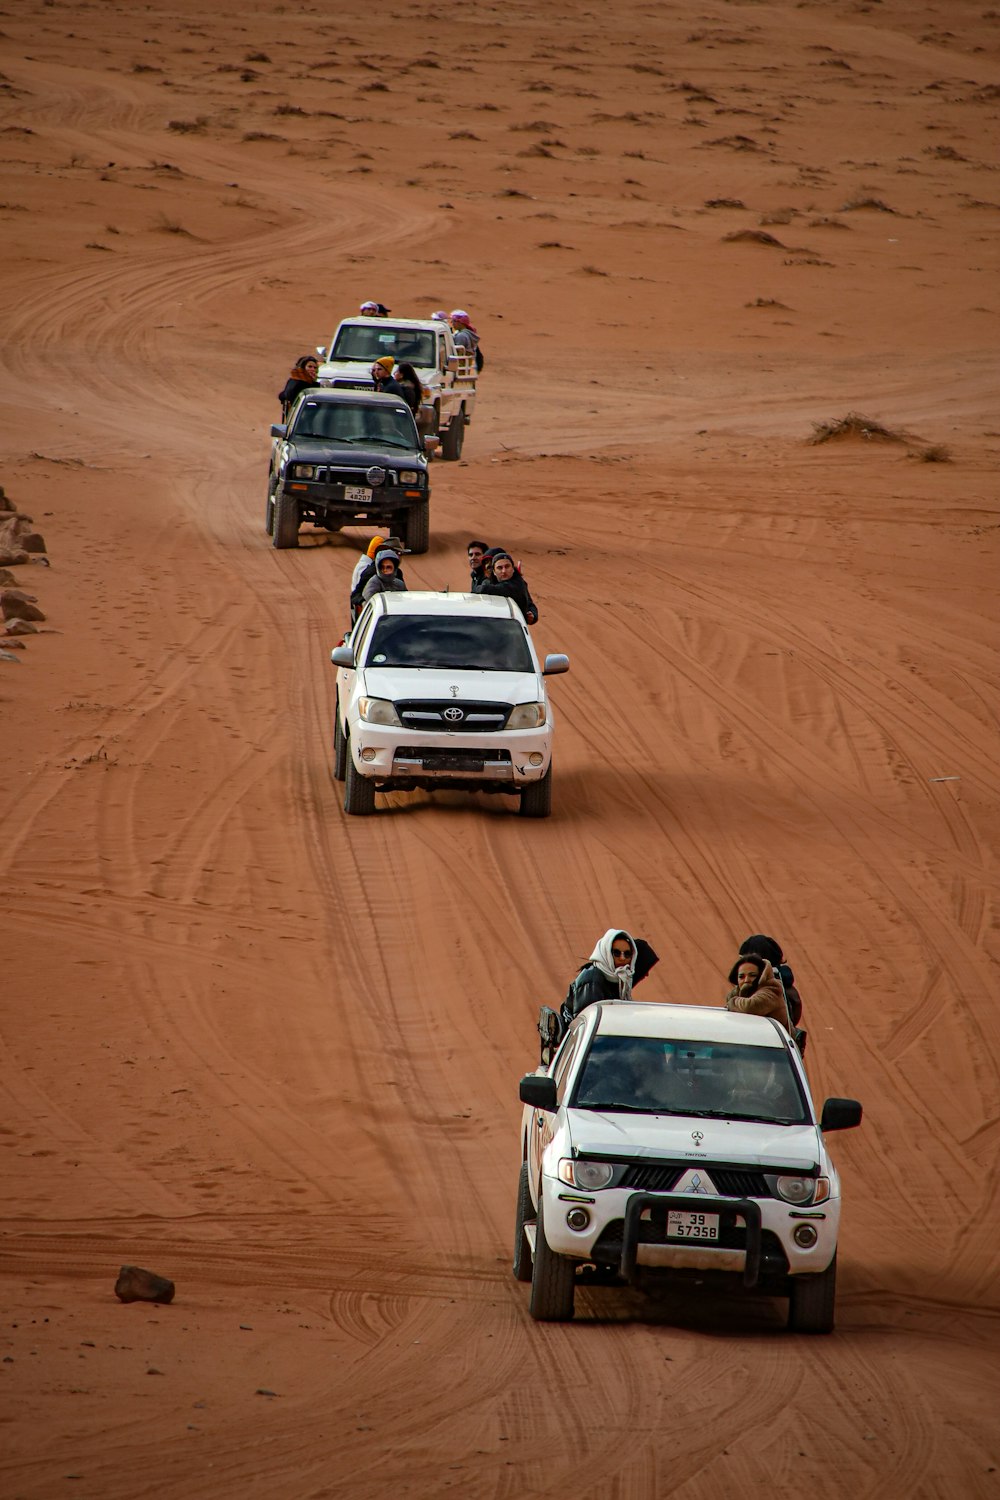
column 360, row 371
column 736, row 1142
column 398, row 683
column 352, row 455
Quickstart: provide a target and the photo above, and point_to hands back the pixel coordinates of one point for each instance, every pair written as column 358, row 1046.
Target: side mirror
column 342, row 656
column 454, row 362
column 840, row 1114
column 321, row 350
column 431, row 442
column 279, row 429
column 555, row 664
column 538, row 1091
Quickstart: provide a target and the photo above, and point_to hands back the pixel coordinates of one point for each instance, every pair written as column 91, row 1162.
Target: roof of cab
column 689, row 1023
column 331, row 396
column 431, row 324
column 426, row 602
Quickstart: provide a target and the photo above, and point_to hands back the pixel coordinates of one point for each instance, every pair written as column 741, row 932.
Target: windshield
column 378, row 426
column 366, row 343
column 443, row 641
column 716, row 1080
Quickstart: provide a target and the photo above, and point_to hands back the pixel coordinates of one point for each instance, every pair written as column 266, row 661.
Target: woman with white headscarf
column 618, row 962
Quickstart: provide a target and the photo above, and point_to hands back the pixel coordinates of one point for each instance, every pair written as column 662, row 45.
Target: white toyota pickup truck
column 448, row 374
column 443, row 690
column 680, row 1140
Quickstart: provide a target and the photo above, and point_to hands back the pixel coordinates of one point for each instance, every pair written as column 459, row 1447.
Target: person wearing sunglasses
column 385, row 579
column 617, row 964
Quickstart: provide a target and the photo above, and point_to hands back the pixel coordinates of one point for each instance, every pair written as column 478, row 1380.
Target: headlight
column 527, row 716
column 585, row 1174
column 409, row 476
column 801, row 1190
column 378, row 711
column 303, row 471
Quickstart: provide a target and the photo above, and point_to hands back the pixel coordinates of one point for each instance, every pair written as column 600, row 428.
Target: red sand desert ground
column 273, row 1054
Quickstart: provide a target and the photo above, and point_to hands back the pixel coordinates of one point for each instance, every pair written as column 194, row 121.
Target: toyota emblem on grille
column 375, row 476
column 453, row 715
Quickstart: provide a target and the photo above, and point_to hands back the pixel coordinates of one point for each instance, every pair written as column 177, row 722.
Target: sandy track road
column 272, row 1051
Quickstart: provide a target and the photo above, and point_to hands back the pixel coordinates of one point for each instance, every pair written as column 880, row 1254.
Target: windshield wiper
column 764, row 1119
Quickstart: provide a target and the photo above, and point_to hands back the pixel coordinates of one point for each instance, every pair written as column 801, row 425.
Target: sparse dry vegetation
column 854, row 425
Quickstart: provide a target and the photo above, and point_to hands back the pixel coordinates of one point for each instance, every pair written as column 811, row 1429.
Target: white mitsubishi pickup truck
column 448, row 374
column 682, row 1141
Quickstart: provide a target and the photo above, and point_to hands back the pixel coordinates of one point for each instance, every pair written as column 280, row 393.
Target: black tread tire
column 553, row 1280
column 417, row 526
column 536, row 797
column 359, row 792
column 812, row 1301
column 286, row 521
column 453, row 437
column 524, row 1215
column 269, row 512
column 340, row 751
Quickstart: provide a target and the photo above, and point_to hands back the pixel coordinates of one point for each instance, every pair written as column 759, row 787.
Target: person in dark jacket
column 508, row 582
column 302, row 378
column 756, row 991
column 382, row 375
column 365, row 569
column 618, row 963
column 476, row 551
column 769, row 948
column 385, row 579
column 413, row 391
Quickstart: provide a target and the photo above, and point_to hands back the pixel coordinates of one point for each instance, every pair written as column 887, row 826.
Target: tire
column 286, row 521
column 359, row 793
column 812, row 1300
column 417, row 526
column 453, row 437
column 269, row 513
column 524, row 1215
column 536, row 798
column 339, row 746
column 553, row 1279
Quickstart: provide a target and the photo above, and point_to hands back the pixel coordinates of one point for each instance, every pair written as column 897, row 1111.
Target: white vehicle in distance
column 447, row 373
column 442, row 690
column 678, row 1140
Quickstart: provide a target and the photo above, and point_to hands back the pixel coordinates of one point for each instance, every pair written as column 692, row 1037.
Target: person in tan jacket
column 756, row 991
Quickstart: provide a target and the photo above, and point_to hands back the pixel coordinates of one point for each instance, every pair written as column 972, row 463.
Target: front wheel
column 453, row 436
column 553, row 1280
column 359, row 792
column 417, row 526
column 536, row 798
column 339, row 747
column 524, row 1214
column 811, row 1301
column 286, row 521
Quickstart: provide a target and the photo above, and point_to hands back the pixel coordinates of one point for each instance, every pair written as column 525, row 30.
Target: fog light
column 535, row 758
column 578, row 1219
column 368, row 754
column 804, row 1236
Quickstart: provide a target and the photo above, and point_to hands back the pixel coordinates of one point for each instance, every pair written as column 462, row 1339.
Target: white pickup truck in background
column 448, row 374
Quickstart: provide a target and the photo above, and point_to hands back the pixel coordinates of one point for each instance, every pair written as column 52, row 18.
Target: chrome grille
column 455, row 715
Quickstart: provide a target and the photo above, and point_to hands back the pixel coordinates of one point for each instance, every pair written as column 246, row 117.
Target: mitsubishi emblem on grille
column 697, row 1137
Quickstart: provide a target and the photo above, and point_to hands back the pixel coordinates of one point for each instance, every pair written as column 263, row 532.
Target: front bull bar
column 700, row 1203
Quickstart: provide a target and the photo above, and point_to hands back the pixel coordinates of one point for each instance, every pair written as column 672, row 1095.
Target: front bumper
column 330, row 500
column 401, row 757
column 628, row 1231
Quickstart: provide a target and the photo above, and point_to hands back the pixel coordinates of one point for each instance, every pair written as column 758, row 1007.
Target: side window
column 359, row 636
column 564, row 1061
